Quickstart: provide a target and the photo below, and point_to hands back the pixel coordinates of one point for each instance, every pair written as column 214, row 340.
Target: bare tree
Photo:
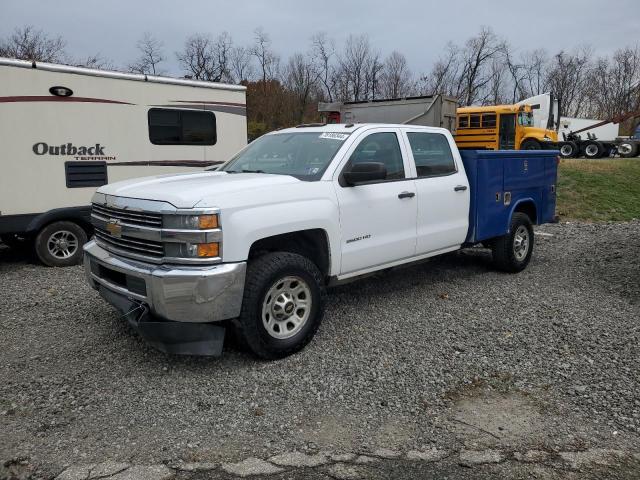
column 151, row 55
column 444, row 74
column 301, row 79
column 240, row 65
column 533, row 82
column 395, row 77
column 27, row 43
column 323, row 50
column 354, row 66
column 567, row 77
column 373, row 72
column 613, row 85
column 205, row 58
column 476, row 57
column 96, row 61
column 222, row 50
column 268, row 61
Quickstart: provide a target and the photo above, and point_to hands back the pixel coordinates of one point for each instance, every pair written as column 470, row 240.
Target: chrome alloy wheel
column 62, row 244
column 521, row 243
column 286, row 307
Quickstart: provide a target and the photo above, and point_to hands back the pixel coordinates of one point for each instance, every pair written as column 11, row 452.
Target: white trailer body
column 67, row 130
column 606, row 132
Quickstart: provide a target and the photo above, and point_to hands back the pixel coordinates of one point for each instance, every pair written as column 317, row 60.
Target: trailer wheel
column 593, row 149
column 568, row 150
column 512, row 252
column 530, row 144
column 283, row 305
column 59, row 244
column 628, row 149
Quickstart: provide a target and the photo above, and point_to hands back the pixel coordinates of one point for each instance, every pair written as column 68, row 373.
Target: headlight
column 193, row 250
column 192, row 222
column 546, row 139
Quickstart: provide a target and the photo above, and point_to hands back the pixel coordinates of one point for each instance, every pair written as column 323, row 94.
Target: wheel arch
column 312, row 243
column 526, row 206
column 79, row 215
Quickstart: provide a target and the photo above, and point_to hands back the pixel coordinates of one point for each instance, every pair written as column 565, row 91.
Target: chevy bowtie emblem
column 114, row 227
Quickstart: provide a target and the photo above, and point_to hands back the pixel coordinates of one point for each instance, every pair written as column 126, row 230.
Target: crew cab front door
column 377, row 219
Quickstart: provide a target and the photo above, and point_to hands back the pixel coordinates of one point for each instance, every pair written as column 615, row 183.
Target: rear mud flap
column 178, row 338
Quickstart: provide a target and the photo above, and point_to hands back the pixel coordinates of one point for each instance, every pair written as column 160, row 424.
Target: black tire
column 75, row 237
column 505, row 255
column 263, row 275
column 593, row 149
column 568, row 150
column 530, row 144
column 628, row 149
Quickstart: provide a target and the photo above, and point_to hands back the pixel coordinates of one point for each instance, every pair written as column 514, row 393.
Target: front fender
column 242, row 227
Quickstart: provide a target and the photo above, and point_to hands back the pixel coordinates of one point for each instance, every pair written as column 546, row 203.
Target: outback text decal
column 93, row 152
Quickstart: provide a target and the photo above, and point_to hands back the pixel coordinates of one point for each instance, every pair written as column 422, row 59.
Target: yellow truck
column 502, row 127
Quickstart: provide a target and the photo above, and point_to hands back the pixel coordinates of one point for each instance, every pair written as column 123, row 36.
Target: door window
column 383, row 148
column 432, row 154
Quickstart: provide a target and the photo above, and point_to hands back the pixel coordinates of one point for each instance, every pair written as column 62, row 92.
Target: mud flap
column 178, row 338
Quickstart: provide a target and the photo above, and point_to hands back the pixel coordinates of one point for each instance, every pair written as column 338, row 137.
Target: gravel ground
column 448, row 354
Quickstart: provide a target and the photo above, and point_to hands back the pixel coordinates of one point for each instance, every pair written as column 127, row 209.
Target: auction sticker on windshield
column 335, row 136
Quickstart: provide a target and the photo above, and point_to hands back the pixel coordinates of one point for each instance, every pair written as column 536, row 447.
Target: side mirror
column 365, row 172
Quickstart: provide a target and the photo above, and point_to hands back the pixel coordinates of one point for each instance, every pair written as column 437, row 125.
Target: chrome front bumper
column 177, row 293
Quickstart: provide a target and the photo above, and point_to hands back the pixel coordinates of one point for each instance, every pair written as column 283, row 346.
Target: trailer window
column 474, row 121
column 489, row 120
column 463, row 121
column 432, row 154
column 181, row 127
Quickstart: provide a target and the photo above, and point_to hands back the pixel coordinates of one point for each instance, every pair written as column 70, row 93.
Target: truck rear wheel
column 568, row 150
column 512, row 252
column 530, row 144
column 283, row 305
column 628, row 149
column 59, row 244
column 594, row 150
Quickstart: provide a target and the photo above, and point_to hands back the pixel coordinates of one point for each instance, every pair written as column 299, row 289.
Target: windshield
column 525, row 119
column 304, row 155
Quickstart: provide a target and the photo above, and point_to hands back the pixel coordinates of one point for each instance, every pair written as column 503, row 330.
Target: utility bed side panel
column 500, row 180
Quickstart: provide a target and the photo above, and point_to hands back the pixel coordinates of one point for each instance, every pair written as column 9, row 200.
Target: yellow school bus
column 501, row 127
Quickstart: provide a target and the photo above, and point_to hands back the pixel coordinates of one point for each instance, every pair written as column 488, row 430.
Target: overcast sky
column 419, row 28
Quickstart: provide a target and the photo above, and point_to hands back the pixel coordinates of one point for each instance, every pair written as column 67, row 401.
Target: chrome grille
column 144, row 219
column 129, row 245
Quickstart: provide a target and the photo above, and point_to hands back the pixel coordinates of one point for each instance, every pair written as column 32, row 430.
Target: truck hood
column 188, row 189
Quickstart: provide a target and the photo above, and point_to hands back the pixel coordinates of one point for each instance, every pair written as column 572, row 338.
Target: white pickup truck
column 255, row 242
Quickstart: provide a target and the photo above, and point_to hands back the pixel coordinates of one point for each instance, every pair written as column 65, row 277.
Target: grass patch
column 599, row 190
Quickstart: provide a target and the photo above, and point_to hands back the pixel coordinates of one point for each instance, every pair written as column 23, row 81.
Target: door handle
column 406, row 195
column 460, row 188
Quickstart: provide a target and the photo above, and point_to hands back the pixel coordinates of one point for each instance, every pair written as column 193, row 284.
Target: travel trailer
column 66, row 131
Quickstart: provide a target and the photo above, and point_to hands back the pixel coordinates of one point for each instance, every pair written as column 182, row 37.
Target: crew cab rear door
column 442, row 190
column 377, row 219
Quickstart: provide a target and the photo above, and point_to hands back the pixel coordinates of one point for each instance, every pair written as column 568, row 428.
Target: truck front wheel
column 283, row 304
column 512, row 252
column 59, row 244
column 530, row 144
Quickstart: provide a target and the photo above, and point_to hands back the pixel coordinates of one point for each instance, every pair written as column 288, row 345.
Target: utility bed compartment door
column 524, row 173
